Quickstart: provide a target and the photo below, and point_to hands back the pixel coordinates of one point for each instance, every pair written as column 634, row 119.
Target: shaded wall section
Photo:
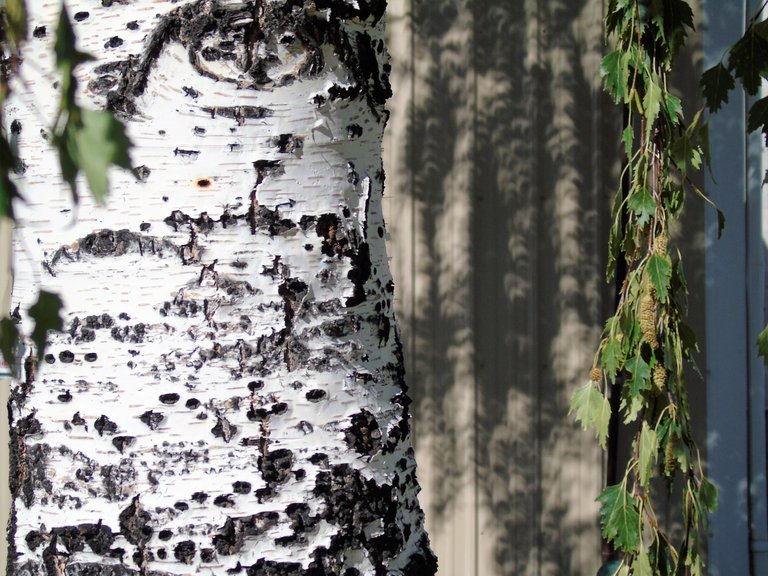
column 502, row 155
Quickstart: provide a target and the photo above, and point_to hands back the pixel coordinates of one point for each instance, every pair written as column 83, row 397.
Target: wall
column 501, row 159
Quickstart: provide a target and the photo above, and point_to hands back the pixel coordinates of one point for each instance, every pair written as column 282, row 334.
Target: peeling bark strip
column 228, row 395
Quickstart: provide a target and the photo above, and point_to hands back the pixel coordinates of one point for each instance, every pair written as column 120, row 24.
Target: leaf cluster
column 87, row 141
column 646, row 344
column 747, row 62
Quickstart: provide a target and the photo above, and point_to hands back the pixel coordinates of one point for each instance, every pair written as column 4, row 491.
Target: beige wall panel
column 429, row 168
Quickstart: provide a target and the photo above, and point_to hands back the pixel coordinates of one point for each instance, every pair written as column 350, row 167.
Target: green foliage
column 86, row 141
column 762, row 345
column 645, row 346
column 619, row 517
column 592, row 409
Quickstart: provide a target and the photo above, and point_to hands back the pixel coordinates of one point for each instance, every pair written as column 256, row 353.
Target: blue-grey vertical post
column 726, row 309
column 756, row 242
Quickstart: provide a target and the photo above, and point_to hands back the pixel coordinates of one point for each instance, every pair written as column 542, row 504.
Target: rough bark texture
column 228, row 396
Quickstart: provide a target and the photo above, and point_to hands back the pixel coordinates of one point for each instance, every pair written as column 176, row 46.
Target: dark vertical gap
column 620, row 274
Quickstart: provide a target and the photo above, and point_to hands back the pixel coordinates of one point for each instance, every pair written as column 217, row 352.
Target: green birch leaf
column 9, row 337
column 674, row 107
column 592, row 409
column 649, row 450
column 684, row 153
column 641, row 566
column 708, row 495
column 652, row 101
column 762, row 345
column 659, row 269
column 614, row 70
column 101, row 142
column 641, row 202
column 45, row 313
column 619, row 518
column 716, row 83
column 628, row 137
column 612, row 357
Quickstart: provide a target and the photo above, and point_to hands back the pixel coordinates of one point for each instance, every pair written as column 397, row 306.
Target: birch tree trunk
column 228, row 395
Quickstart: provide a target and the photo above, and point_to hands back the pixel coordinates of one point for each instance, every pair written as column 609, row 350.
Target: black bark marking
column 122, row 442
column 364, row 434
column 275, row 466
column 224, row 501
column 288, row 143
column 134, row 524
column 359, row 274
column 224, row 429
column 152, row 419
column 241, row 487
column 316, row 395
column 104, row 425
column 185, row 551
column 142, row 173
column 170, row 398
column 165, row 535
column 230, row 538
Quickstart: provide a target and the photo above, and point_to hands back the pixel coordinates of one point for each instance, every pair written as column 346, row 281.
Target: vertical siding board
column 434, row 295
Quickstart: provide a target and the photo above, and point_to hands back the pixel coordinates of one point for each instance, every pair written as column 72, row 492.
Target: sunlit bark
column 228, row 396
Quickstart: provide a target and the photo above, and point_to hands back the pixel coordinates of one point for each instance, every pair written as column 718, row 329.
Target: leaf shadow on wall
column 509, row 180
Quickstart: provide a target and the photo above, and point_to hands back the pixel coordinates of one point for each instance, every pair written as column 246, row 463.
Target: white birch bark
column 228, row 396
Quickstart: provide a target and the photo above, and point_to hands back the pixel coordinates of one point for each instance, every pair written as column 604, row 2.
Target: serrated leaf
column 758, row 116
column 684, row 153
column 619, row 518
column 652, row 101
column 101, row 142
column 614, row 70
column 649, row 449
column 641, row 566
column 659, row 270
column 45, row 313
column 643, row 205
column 674, row 107
column 628, row 137
column 748, row 58
column 592, row 409
column 612, row 357
column 9, row 337
column 708, row 495
column 716, row 83
column 762, row 345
